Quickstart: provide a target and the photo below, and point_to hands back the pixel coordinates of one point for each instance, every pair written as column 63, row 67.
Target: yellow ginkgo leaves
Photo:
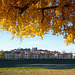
column 69, row 39
column 30, row 18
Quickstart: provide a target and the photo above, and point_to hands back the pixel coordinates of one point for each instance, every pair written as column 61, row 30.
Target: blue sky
column 50, row 42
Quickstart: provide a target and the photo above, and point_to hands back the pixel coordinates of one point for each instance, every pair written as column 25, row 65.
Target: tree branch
column 53, row 7
column 34, row 2
column 26, row 6
column 13, row 4
column 45, row 8
column 42, row 16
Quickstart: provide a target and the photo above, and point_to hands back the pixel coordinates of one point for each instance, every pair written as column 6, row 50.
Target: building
column 64, row 56
column 73, row 55
column 17, row 55
column 37, row 54
column 8, row 55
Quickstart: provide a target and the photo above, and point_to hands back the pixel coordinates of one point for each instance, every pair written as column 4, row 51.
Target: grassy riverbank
column 22, row 67
column 35, row 71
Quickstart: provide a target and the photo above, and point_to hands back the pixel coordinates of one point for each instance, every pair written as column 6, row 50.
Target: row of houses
column 36, row 54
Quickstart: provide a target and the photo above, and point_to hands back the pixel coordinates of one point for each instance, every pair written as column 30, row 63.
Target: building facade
column 37, row 54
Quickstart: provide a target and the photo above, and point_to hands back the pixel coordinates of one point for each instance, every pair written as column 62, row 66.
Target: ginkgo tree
column 30, row 18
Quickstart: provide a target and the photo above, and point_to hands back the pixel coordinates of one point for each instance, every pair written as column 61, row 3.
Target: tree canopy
column 30, row 18
column 2, row 54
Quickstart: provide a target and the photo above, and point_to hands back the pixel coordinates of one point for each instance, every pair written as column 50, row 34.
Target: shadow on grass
column 66, row 67
column 39, row 63
column 40, row 67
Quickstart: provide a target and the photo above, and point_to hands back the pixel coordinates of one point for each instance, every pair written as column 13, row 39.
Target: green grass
column 22, row 68
column 36, row 71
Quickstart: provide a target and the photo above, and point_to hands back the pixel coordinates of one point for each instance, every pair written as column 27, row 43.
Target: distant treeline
column 22, row 62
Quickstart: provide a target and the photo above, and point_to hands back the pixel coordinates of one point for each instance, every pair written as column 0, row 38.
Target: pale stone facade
column 64, row 56
column 37, row 54
column 8, row 55
column 73, row 55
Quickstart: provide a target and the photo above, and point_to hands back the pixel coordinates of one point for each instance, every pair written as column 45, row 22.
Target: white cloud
column 37, row 42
